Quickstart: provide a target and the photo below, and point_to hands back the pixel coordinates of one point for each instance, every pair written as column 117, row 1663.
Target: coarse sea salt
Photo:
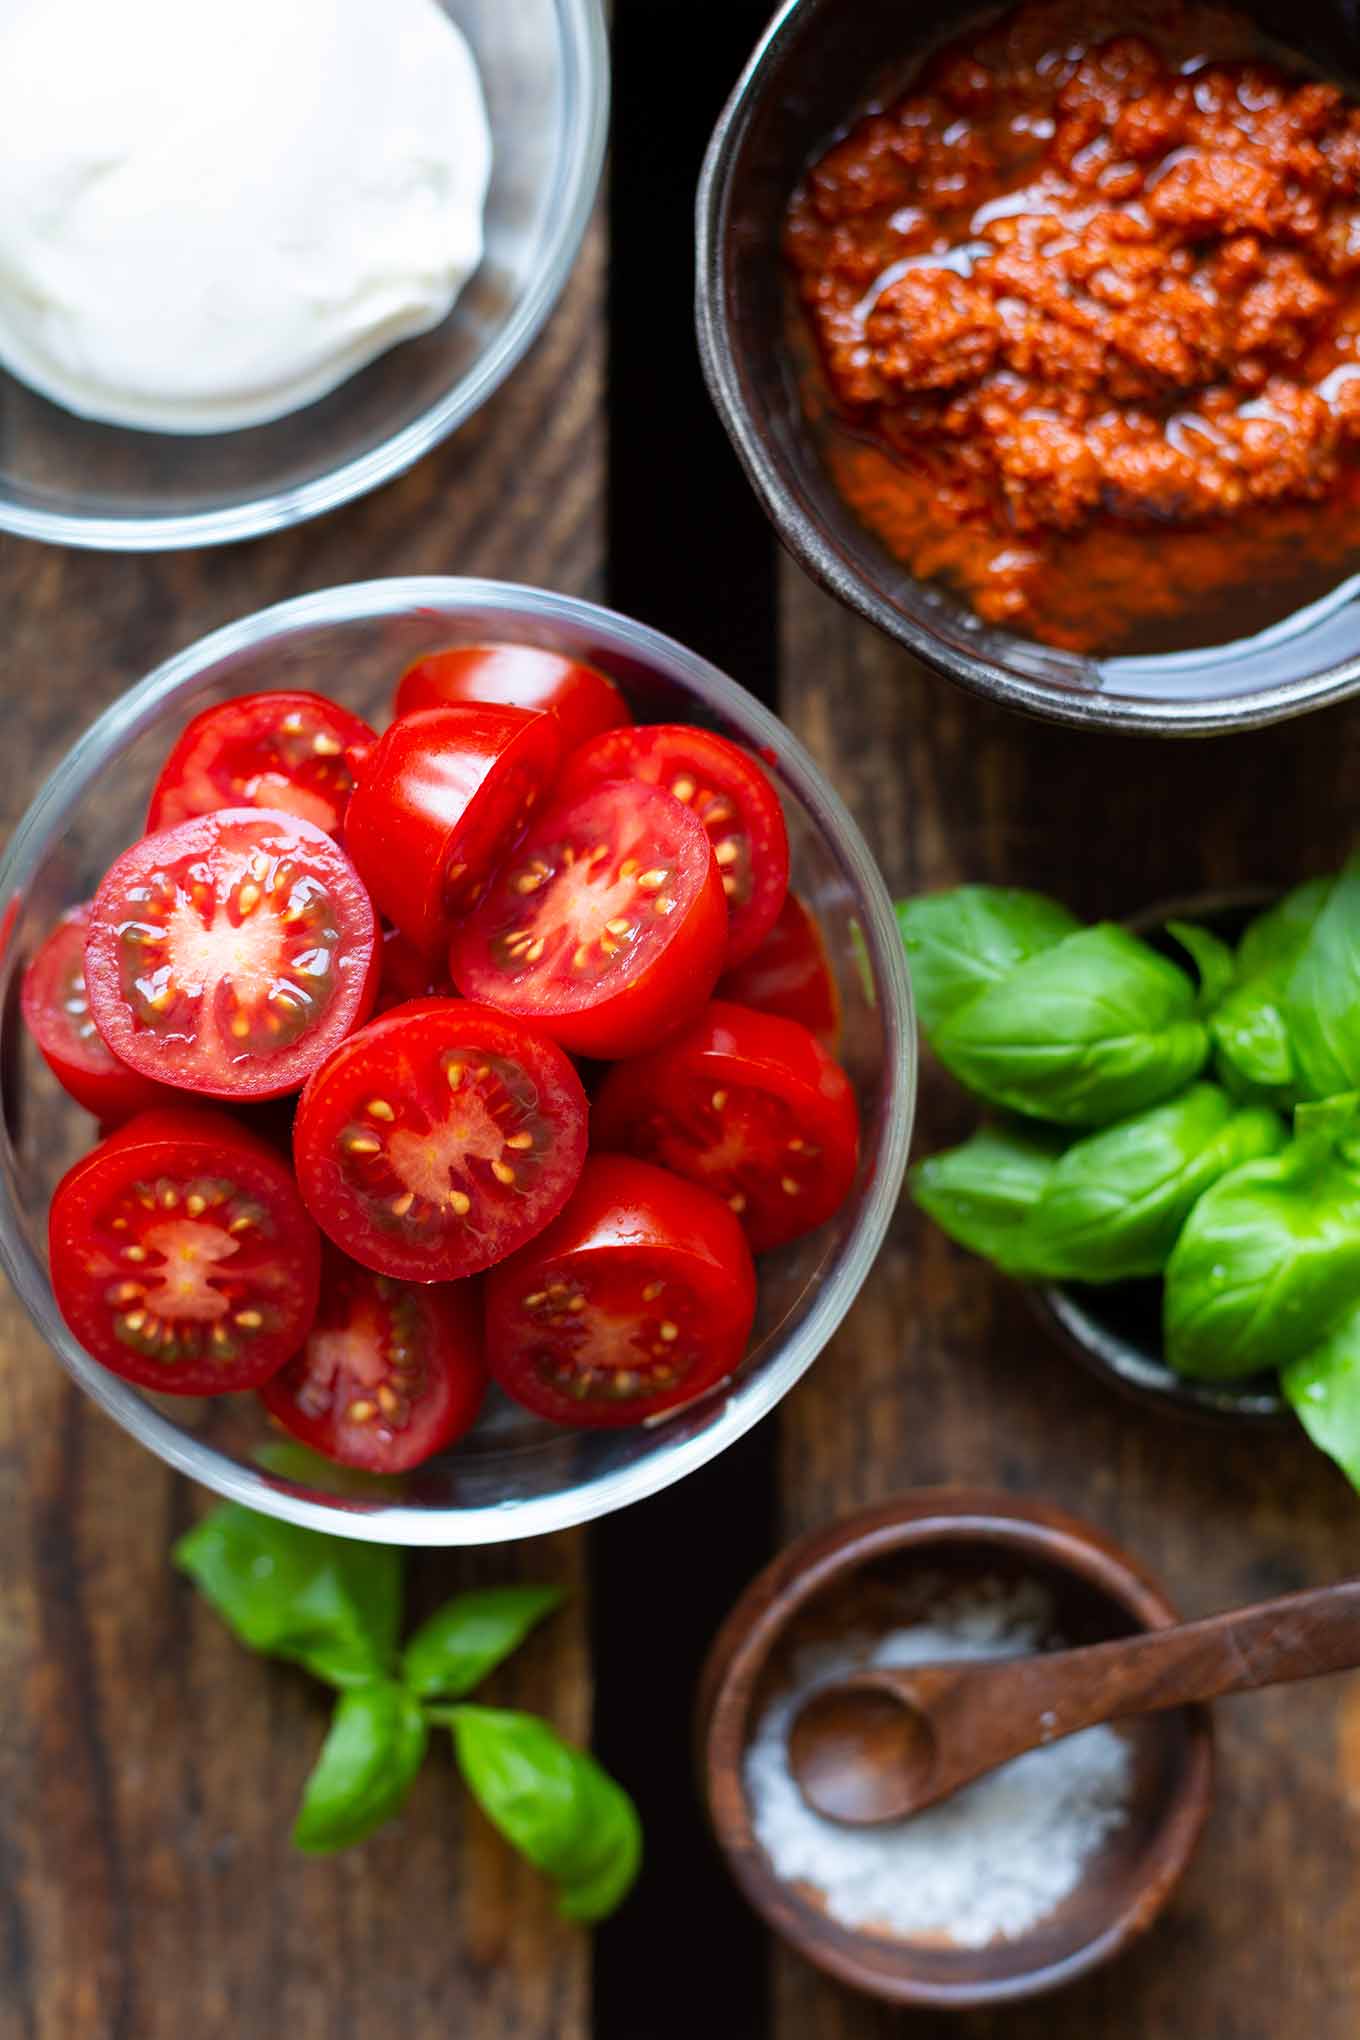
column 990, row 1862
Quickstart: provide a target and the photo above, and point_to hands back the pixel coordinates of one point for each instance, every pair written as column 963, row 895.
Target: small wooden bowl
column 874, row 1571
column 1116, row 1331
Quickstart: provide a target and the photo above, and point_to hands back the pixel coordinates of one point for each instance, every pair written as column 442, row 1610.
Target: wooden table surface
column 148, row 1768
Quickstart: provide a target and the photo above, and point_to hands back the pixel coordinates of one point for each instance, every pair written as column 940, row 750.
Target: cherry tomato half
column 584, row 702
column 789, row 975
column 606, row 928
column 444, row 796
column 391, row 1373
column 638, row 1298
column 292, row 753
column 439, row 1138
column 749, row 1105
column 230, row 954
column 182, row 1256
column 56, row 1010
column 730, row 794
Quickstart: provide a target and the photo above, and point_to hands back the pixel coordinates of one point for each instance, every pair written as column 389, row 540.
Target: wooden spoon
column 886, row 1742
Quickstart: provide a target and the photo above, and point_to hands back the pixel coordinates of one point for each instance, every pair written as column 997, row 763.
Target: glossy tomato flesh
column 56, row 1009
column 392, row 1372
column 230, row 954
column 750, row 1106
column 439, row 1138
column 584, row 701
column 730, row 794
column 639, row 1297
column 607, row 926
column 444, row 796
column 292, row 752
column 789, row 975
column 182, row 1256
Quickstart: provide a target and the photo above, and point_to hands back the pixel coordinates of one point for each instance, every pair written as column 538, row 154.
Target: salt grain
column 990, row 1862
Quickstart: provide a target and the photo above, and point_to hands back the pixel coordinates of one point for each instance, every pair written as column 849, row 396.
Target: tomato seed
column 718, row 1100
column 520, row 1140
column 462, row 1204
column 361, row 1412
column 652, row 1291
column 131, row 1253
column 325, row 746
column 503, row 1173
column 378, row 1108
column 401, row 1205
column 249, row 1320
column 788, row 1186
column 737, row 1203
column 652, row 881
column 683, row 789
column 669, row 1331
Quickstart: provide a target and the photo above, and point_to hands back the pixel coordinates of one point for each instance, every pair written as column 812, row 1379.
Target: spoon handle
column 983, row 1714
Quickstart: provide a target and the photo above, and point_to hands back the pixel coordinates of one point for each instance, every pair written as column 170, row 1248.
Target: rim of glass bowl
column 135, row 712
column 584, row 90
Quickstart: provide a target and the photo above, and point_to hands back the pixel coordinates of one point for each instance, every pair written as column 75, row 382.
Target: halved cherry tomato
column 56, row 1009
column 639, row 1297
column 789, row 975
column 444, row 796
column 439, row 1138
column 405, row 973
column 391, row 1373
column 290, row 752
column 606, row 927
column 584, row 701
column 230, row 954
column 182, row 1256
column 747, row 1104
column 729, row 793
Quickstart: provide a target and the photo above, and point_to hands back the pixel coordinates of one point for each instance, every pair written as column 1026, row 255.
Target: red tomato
column 292, row 753
column 405, row 973
column 585, row 702
column 606, row 928
column 391, row 1373
column 56, row 1010
column 729, row 793
column 182, row 1257
column 750, row 1106
column 444, row 796
column 438, row 1139
column 230, row 954
column 639, row 1297
column 789, row 975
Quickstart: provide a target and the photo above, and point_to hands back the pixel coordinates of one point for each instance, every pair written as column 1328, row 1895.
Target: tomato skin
column 401, row 1060
column 291, row 752
column 272, row 1250
column 68, row 1041
column 404, row 973
column 657, row 988
column 789, row 975
column 192, row 1051
column 729, row 792
column 748, row 1105
column 445, row 795
column 584, row 701
column 631, row 1232
column 419, row 1346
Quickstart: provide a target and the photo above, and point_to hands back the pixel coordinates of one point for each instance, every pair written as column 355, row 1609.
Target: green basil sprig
column 1251, row 1033
column 1269, row 1258
column 960, row 942
column 1321, row 1002
column 983, row 1193
column 334, row 1607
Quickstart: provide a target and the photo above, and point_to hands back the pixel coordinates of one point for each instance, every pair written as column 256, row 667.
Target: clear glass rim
column 750, row 1400
column 585, row 93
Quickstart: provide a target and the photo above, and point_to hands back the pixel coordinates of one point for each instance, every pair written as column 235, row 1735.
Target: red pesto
column 1087, row 305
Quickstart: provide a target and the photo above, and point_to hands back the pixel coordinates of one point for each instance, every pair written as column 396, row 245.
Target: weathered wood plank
column 148, row 1768
column 940, row 1373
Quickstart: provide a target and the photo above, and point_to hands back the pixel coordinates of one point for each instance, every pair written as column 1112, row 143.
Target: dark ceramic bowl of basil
column 1117, row 1331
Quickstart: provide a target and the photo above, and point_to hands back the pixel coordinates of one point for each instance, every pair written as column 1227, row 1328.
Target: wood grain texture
column 940, row 1373
column 149, row 1768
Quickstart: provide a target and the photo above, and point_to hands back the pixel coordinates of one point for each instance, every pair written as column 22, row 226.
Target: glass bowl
column 545, row 73
column 515, row 1476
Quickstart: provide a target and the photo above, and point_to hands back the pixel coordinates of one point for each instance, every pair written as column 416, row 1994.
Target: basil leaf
column 1321, row 998
column 1212, row 958
column 328, row 1604
column 553, row 1803
column 1092, row 1029
column 1324, row 1387
column 1248, row 1026
column 1268, row 1261
column 470, row 1635
column 367, row 1765
column 959, row 942
column 982, row 1193
column 1112, row 1207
